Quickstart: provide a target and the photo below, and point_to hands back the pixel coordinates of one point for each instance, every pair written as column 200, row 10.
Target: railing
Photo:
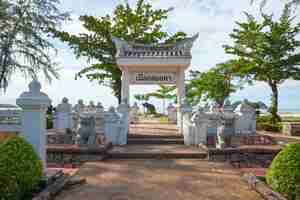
column 10, row 121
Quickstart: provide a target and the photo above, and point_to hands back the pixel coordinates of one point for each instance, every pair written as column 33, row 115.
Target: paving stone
column 159, row 180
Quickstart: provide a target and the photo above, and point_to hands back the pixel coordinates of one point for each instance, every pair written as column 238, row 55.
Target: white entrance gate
column 154, row 64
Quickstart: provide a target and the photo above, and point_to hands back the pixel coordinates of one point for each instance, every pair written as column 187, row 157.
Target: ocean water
column 289, row 110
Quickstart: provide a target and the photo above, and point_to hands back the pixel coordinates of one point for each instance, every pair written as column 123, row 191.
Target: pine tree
column 24, row 43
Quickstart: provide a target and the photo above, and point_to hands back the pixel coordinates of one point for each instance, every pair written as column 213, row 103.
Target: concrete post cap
column 34, row 97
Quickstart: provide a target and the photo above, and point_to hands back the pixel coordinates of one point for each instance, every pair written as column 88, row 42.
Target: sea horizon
column 289, row 110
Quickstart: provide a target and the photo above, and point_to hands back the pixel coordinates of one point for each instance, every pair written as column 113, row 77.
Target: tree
column 164, row 92
column 3, row 10
column 215, row 84
column 266, row 51
column 141, row 24
column 141, row 97
column 264, row 2
column 24, row 44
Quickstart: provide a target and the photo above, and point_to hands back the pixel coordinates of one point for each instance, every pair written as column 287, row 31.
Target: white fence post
column 112, row 126
column 123, row 109
column 187, row 127
column 34, row 104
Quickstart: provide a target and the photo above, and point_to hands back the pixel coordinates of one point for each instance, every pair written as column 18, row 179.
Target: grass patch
column 290, row 119
column 163, row 120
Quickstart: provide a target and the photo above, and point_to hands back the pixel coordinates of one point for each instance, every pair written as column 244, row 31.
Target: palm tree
column 164, row 92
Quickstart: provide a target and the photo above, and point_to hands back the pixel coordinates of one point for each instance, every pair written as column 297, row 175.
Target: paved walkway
column 153, row 129
column 159, row 180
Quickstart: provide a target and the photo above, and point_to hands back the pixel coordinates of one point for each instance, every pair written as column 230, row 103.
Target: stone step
column 153, row 136
column 157, row 156
column 158, row 141
column 156, row 152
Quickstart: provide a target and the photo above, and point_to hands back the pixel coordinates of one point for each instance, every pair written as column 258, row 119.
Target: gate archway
column 154, row 64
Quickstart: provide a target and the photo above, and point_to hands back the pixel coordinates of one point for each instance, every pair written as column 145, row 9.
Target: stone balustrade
column 68, row 117
column 197, row 126
column 29, row 121
column 112, row 124
column 10, row 120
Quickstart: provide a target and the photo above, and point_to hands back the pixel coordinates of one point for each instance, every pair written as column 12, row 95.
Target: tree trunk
column 119, row 98
column 221, row 103
column 145, row 109
column 274, row 104
column 118, row 91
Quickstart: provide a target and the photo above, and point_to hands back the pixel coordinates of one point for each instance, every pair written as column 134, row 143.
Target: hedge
column 20, row 169
column 283, row 174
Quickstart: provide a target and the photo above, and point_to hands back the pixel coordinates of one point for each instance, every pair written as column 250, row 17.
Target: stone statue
column 134, row 113
column 91, row 107
column 201, row 121
column 206, row 108
column 92, row 104
column 221, row 135
column 64, row 106
column 79, row 107
column 99, row 107
column 63, row 115
column 87, row 132
column 214, row 108
column 172, row 113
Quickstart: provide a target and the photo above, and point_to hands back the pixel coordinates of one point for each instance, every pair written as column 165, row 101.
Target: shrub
column 49, row 121
column 290, row 119
column 5, row 136
column 284, row 173
column 20, row 169
column 269, row 127
column 264, row 119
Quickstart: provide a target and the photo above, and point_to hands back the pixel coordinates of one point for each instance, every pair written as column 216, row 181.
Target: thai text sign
column 153, row 78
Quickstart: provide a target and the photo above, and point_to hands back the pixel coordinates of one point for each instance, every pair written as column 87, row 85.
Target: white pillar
column 123, row 109
column 125, row 85
column 181, row 86
column 34, row 104
column 180, row 95
column 112, row 126
column 187, row 128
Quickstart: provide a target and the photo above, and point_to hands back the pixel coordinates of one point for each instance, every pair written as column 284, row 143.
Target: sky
column 214, row 20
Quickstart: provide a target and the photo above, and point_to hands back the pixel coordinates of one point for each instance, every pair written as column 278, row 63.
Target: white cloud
column 66, row 86
column 74, row 26
column 212, row 19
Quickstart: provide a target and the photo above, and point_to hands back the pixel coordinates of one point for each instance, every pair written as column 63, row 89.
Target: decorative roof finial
column 35, row 87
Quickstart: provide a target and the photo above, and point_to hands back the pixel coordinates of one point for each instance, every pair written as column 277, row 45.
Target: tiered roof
column 181, row 49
